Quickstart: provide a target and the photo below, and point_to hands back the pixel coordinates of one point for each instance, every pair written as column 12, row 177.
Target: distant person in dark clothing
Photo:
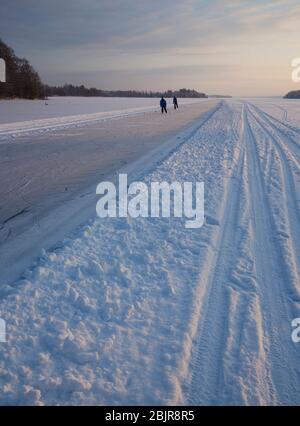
column 175, row 102
column 163, row 105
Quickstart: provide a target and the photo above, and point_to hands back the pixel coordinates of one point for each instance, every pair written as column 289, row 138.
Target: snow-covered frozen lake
column 44, row 165
column 144, row 311
column 58, row 107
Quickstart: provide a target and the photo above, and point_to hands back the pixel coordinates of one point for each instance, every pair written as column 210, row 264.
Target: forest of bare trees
column 22, row 81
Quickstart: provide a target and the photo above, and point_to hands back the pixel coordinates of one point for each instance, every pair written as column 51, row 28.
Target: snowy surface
column 144, row 311
column 21, row 117
column 40, row 173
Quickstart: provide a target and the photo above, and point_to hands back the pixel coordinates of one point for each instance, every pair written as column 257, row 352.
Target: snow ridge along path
column 14, row 130
column 144, row 311
column 20, row 118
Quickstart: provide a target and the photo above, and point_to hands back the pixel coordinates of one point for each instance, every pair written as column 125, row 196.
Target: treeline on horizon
column 22, row 81
column 70, row 90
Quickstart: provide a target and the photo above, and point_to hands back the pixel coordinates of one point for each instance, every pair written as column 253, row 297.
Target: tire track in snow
column 285, row 211
column 284, row 124
column 230, row 361
column 244, row 353
column 272, row 278
column 282, row 129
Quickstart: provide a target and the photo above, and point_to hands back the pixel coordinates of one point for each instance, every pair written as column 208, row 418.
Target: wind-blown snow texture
column 145, row 311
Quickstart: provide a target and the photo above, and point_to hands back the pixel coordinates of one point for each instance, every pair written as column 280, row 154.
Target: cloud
column 131, row 24
column 93, row 36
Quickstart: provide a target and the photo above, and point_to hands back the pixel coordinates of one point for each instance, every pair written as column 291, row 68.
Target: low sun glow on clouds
column 238, row 48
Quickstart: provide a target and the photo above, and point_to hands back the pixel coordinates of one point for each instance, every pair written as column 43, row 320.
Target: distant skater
column 163, row 105
column 175, row 102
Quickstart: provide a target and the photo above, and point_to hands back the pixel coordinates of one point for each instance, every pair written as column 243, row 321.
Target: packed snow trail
column 253, row 283
column 43, row 176
column 145, row 311
column 19, row 118
column 33, row 127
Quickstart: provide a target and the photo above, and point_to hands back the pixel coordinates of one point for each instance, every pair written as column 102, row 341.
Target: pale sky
column 242, row 48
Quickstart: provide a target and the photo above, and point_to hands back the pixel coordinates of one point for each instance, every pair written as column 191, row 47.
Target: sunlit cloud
column 247, row 46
